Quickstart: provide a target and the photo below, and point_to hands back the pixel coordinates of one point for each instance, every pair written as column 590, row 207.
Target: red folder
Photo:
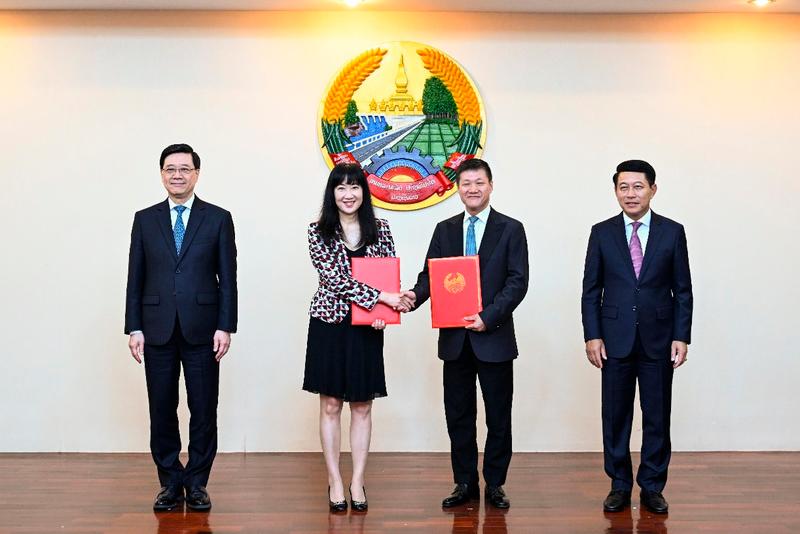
column 455, row 290
column 380, row 273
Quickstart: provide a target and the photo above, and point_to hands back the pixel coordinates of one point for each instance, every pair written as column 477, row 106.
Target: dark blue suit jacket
column 504, row 282
column 198, row 286
column 614, row 303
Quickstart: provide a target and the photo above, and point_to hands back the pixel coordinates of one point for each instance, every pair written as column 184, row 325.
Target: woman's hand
column 378, row 324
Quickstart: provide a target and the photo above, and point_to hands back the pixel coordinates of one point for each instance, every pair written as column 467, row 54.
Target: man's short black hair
column 180, row 148
column 473, row 164
column 636, row 165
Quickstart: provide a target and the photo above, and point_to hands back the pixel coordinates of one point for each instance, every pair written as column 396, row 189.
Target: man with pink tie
column 637, row 320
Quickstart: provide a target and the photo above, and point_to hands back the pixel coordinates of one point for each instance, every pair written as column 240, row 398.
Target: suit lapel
column 455, row 236
column 491, row 235
column 653, row 240
column 621, row 239
column 196, row 217
column 165, row 224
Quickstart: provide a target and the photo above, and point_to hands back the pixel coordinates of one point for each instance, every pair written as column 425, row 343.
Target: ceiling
column 522, row 6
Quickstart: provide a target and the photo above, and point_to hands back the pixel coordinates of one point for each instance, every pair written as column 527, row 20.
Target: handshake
column 405, row 302
column 402, row 302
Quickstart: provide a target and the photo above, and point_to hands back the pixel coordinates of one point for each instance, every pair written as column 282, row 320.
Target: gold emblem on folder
column 455, row 282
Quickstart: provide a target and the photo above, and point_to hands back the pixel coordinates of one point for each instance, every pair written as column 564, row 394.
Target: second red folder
column 455, row 285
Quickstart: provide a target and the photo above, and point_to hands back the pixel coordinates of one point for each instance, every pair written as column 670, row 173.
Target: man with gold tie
column 637, row 319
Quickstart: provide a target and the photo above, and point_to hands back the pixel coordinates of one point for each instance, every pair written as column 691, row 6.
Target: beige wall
column 88, row 100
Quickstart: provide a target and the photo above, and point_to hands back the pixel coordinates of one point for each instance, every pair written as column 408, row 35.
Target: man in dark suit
column 637, row 321
column 486, row 347
column 180, row 311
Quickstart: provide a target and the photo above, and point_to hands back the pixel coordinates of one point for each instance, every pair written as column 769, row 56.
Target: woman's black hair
column 328, row 223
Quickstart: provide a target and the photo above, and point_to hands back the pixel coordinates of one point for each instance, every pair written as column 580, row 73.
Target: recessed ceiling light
column 761, row 3
column 352, row 3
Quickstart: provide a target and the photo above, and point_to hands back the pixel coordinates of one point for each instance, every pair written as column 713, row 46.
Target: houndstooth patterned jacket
column 337, row 287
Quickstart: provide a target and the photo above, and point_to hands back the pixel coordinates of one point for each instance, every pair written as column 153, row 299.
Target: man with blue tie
column 181, row 308
column 486, row 348
column 637, row 320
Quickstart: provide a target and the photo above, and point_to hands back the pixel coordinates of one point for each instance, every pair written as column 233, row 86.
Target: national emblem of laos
column 409, row 115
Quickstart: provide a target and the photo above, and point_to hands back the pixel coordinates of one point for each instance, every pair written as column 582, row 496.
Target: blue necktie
column 179, row 230
column 471, row 249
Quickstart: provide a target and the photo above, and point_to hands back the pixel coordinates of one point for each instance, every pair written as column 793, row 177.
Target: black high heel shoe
column 358, row 506
column 340, row 506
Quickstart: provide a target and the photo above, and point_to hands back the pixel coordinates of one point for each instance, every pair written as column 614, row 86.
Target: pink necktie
column 635, row 247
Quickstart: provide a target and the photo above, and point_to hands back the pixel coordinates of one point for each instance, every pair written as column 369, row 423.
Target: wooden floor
column 550, row 493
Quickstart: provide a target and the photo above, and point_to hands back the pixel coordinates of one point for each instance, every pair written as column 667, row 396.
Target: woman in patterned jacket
column 344, row 362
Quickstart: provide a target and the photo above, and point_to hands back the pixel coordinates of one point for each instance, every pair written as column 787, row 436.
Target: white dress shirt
column 173, row 215
column 480, row 227
column 643, row 232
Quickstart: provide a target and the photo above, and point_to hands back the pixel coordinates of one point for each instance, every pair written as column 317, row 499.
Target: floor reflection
column 350, row 522
column 620, row 522
column 494, row 520
column 651, row 523
column 646, row 523
column 467, row 519
column 183, row 522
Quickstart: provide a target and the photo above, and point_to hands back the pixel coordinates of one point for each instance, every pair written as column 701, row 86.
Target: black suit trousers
column 655, row 397
column 460, row 407
column 162, row 365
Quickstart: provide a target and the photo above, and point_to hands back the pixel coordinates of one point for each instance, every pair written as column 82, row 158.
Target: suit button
column 634, row 308
column 637, row 289
column 177, row 271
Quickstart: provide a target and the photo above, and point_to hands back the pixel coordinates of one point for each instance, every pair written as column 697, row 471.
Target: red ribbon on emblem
column 456, row 159
column 405, row 192
column 444, row 183
column 343, row 157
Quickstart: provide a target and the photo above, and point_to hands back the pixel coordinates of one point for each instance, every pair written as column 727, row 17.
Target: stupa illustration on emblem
column 409, row 115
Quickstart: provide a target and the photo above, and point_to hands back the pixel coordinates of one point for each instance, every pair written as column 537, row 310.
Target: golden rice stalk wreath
column 467, row 104
column 341, row 92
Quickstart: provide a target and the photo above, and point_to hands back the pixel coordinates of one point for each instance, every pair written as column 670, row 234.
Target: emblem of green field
column 409, row 115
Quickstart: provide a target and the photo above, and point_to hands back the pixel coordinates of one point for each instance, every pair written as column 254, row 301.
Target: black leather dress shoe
column 617, row 501
column 358, row 506
column 461, row 493
column 197, row 498
column 168, row 498
column 338, row 506
column 654, row 501
column 497, row 497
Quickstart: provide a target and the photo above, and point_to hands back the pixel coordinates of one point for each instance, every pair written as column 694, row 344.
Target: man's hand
column 222, row 342
column 477, row 323
column 136, row 346
column 409, row 298
column 596, row 352
column 678, row 353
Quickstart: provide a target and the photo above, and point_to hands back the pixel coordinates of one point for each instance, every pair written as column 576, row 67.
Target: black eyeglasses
column 183, row 171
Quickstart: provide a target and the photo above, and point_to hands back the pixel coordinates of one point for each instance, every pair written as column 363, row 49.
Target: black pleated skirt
column 344, row 361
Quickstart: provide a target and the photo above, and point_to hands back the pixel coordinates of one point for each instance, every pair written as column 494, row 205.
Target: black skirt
column 344, row 361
